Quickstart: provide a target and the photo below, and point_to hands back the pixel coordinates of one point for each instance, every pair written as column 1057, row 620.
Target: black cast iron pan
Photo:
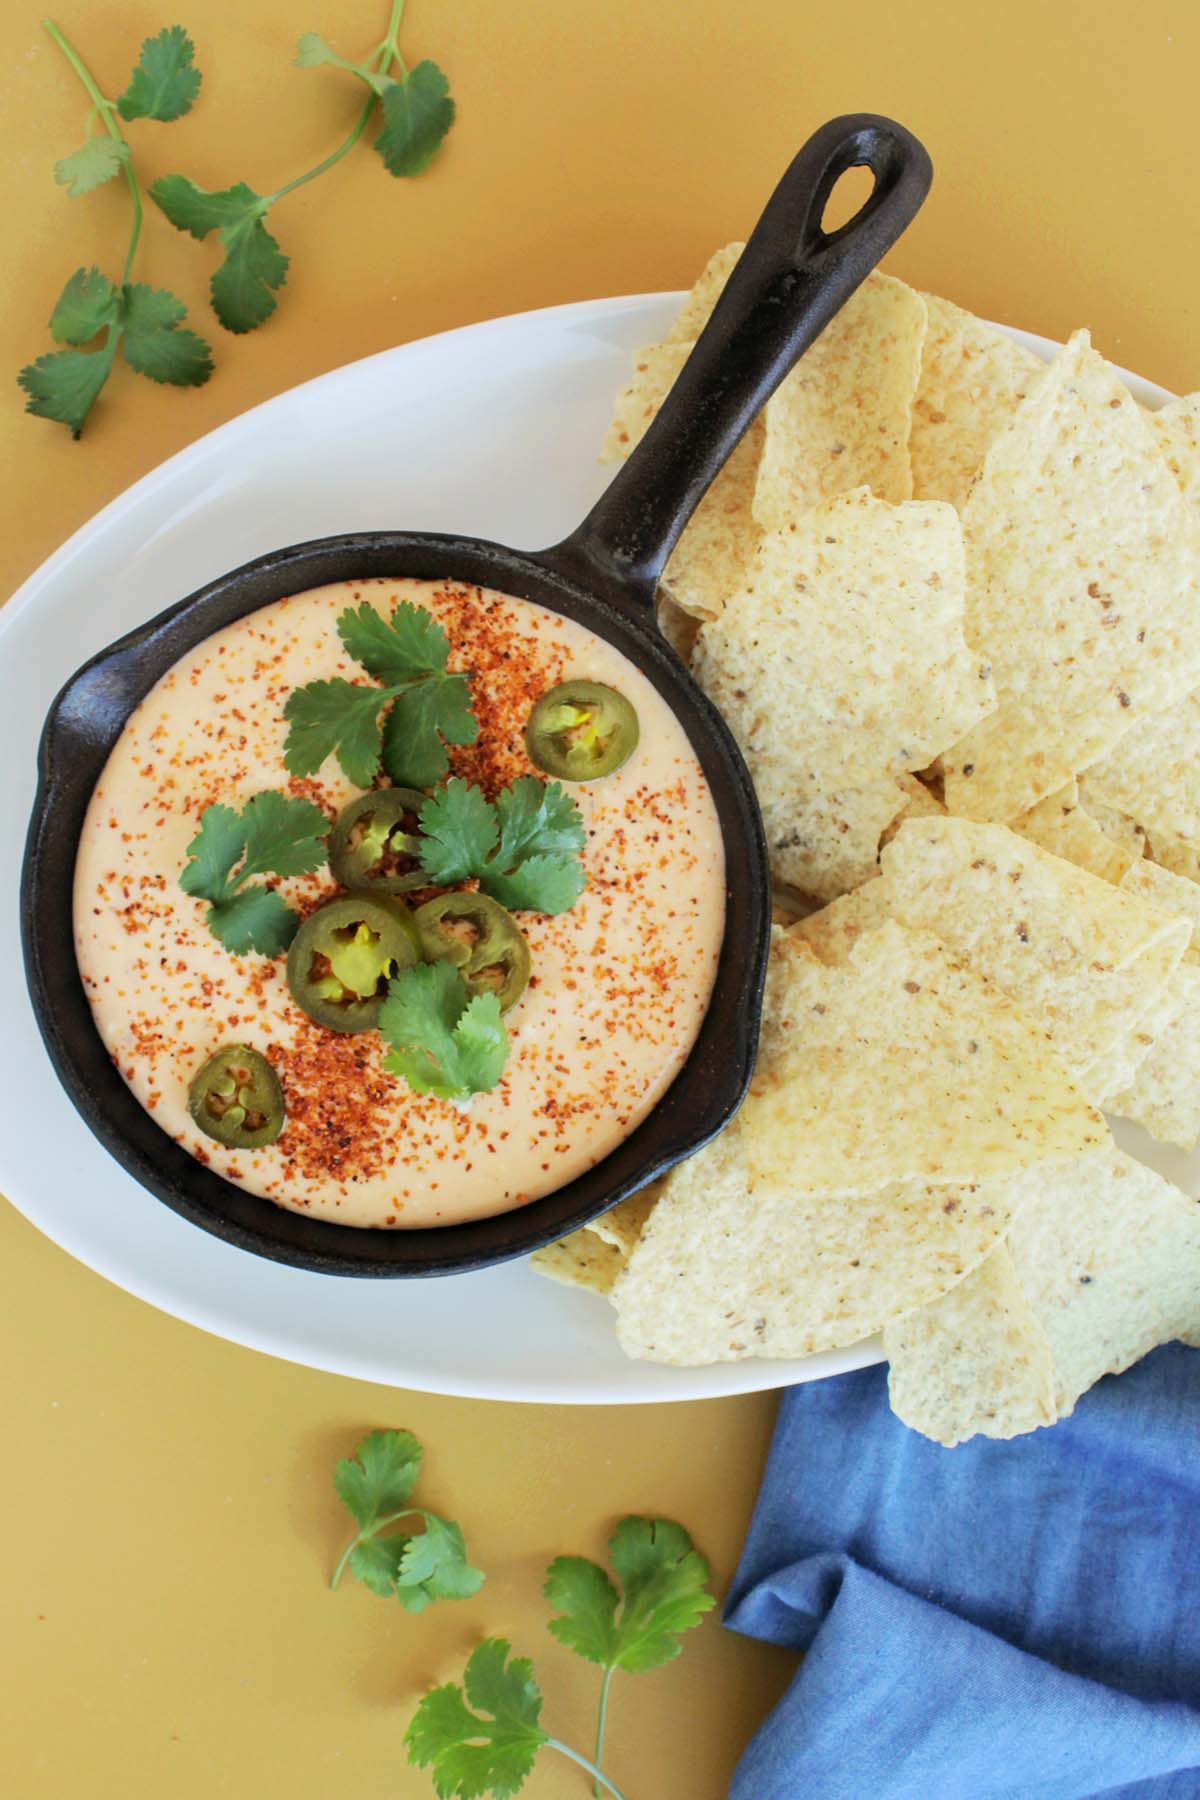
column 789, row 283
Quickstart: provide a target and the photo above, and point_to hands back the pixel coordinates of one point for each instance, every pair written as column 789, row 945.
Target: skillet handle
column 787, row 285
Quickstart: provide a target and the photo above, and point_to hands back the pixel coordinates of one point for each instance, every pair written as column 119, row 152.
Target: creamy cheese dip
column 619, row 986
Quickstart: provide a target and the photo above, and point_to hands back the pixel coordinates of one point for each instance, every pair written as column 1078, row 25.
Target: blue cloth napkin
column 1016, row 1620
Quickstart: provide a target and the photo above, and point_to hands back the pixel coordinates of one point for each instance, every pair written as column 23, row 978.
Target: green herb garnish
column 375, row 1486
column 417, row 113
column 144, row 322
column 425, row 704
column 443, row 1040
column 663, row 1579
column 524, row 848
column 274, row 834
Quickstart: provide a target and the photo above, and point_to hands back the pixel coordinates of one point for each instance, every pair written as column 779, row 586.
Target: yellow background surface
column 166, row 1509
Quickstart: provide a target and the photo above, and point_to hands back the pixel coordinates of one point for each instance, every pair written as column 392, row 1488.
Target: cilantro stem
column 553, row 1743
column 602, row 1715
column 106, row 111
column 362, row 1537
column 383, row 58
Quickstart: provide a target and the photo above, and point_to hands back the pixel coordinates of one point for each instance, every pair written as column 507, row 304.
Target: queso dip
column 619, row 983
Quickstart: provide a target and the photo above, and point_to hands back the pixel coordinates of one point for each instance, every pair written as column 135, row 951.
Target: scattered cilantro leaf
column 408, row 652
column 376, row 1485
column 165, row 82
column 90, row 166
column 492, row 1749
column 459, row 831
column 663, row 1580
column 152, row 340
column 273, row 834
column 442, row 1040
column 66, row 384
column 86, row 305
column 417, row 114
column 524, row 849
column 379, row 1477
column 244, row 285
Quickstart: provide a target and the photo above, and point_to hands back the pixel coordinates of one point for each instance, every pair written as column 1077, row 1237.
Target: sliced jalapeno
column 343, row 956
column 581, row 730
column 481, row 939
column 374, row 842
column 235, row 1097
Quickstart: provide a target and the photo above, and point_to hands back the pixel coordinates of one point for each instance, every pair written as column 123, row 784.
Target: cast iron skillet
column 791, row 280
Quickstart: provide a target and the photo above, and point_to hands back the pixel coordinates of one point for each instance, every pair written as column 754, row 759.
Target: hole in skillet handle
column 789, row 283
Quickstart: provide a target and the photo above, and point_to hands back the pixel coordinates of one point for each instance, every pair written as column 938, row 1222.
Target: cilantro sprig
column 144, row 322
column 405, row 723
column 484, row 1737
column 443, row 1040
column 417, row 113
column 274, row 834
column 524, row 848
column 375, row 1485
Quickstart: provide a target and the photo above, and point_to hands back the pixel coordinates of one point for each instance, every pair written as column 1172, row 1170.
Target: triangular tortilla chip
column 972, row 380
column 1085, row 959
column 1163, row 1092
column 693, row 315
column 1097, row 1271
column 1153, row 774
column 1083, row 566
column 905, row 1065
column 580, row 1260
column 1177, row 428
column 841, row 658
column 828, row 845
column 842, row 417
column 1062, row 825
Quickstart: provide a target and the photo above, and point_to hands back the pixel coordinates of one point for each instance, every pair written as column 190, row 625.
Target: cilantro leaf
column 663, row 1577
column 153, row 343
column 91, row 165
column 65, row 384
column 338, row 716
column 408, row 644
column 379, row 1477
column 243, row 287
column 376, row 1563
column 442, row 1041
column 274, row 833
column 487, row 1751
column 545, row 884
column 459, row 831
column 537, row 818
column 417, row 114
column 425, row 712
column 86, row 305
column 434, row 1566
column 164, row 84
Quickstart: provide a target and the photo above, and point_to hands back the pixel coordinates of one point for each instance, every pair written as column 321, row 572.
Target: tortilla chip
column 1170, row 893
column 841, row 419
column 972, row 380
column 679, row 628
column 724, row 1269
column 828, row 845
column 920, row 803
column 1180, row 855
column 711, row 558
column 1177, row 428
column 1125, row 832
column 694, row 314
column 624, row 1223
column 1110, row 1263
column 1163, row 1091
column 977, row 1360
column 904, row 1065
column 1061, row 824
column 581, row 1259
column 1086, row 960
column 833, row 932
column 842, row 660
column 1083, row 565
column 1098, row 1270
column 1153, row 774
